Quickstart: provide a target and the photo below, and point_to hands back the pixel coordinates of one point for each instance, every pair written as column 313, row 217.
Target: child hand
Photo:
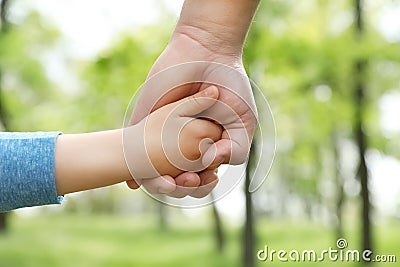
column 171, row 140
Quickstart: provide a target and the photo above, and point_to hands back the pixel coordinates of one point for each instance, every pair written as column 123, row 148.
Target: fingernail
column 210, row 91
column 190, row 184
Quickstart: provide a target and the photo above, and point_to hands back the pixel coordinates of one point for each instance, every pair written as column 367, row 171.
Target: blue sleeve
column 27, row 170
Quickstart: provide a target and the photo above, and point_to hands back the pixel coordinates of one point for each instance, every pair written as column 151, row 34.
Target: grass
column 65, row 240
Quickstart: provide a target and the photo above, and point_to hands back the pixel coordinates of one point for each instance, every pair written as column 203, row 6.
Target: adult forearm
column 217, row 22
column 87, row 161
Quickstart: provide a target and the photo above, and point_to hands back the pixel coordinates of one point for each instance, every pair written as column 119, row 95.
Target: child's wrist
column 137, row 151
column 117, row 157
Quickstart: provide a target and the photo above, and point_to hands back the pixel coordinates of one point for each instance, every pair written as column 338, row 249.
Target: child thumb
column 198, row 102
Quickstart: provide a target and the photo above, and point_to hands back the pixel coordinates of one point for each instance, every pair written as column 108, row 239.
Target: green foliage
column 24, row 79
column 303, row 57
column 113, row 78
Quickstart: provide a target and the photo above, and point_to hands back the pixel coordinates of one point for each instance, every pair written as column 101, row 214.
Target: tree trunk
column 3, row 222
column 3, row 116
column 162, row 216
column 249, row 233
column 339, row 181
column 360, row 137
column 218, row 229
column 4, row 26
column 3, row 15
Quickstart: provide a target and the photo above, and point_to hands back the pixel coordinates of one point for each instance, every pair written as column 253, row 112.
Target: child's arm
column 87, row 161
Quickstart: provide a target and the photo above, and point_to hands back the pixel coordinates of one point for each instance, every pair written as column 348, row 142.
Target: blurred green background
column 330, row 71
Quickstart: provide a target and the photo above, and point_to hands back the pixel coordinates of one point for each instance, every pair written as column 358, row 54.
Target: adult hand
column 207, row 31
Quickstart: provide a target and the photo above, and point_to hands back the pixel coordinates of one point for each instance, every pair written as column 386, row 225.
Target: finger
column 233, row 149
column 181, row 192
column 209, row 181
column 188, row 179
column 198, row 102
column 186, row 183
column 132, row 184
column 151, row 100
column 162, row 86
column 160, row 185
column 217, row 154
column 206, row 129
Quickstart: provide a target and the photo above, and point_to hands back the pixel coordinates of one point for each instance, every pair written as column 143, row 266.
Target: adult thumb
column 198, row 102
